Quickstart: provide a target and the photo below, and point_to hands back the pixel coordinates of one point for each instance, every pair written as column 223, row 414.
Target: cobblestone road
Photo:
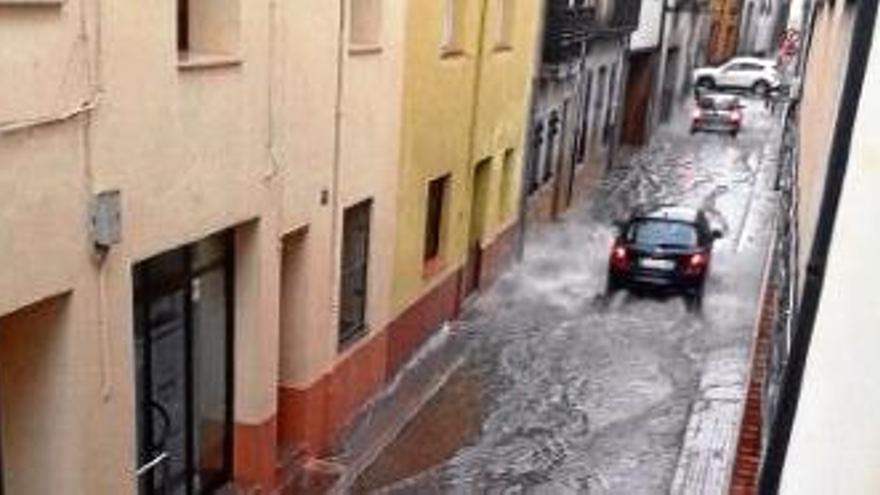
column 560, row 395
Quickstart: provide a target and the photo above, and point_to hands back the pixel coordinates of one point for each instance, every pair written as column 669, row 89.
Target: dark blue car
column 665, row 250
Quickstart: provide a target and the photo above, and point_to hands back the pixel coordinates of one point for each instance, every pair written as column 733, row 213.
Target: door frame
column 480, row 184
column 184, row 282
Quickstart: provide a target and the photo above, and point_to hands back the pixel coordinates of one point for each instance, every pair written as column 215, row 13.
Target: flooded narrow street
column 561, row 394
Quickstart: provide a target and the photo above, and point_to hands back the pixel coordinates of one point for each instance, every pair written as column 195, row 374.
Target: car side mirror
column 717, row 234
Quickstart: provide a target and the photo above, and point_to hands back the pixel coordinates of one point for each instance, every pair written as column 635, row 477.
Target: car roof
column 673, row 213
column 719, row 96
column 754, row 60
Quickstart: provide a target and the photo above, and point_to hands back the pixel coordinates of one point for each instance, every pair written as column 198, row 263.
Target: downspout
column 527, row 158
column 94, row 81
column 477, row 85
column 337, row 149
column 780, row 430
column 461, row 290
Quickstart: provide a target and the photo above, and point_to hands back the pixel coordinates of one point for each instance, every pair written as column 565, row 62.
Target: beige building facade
column 835, row 442
column 834, row 439
column 810, row 420
column 194, row 201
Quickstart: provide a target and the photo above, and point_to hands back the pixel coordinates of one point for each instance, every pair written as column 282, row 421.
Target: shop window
column 366, row 22
column 354, row 271
column 437, row 191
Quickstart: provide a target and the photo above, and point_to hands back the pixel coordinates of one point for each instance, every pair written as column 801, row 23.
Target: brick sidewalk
column 711, row 435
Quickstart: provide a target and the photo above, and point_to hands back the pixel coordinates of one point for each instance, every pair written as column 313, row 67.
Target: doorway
column 34, row 380
column 473, row 265
column 638, row 96
column 183, row 303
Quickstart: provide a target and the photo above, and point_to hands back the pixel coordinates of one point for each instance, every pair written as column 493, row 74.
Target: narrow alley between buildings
column 561, row 393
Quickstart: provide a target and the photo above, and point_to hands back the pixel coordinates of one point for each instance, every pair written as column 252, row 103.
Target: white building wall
column 835, row 443
column 647, row 35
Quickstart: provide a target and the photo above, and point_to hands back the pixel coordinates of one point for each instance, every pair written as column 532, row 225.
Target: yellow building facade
column 467, row 73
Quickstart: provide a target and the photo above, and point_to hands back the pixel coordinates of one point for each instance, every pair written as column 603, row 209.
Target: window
column 434, row 219
column 183, row 25
column 506, row 13
column 662, row 233
column 600, row 89
column 366, row 22
column 609, row 112
column 534, row 164
column 207, row 27
column 550, row 159
column 505, row 195
column 353, row 272
column 585, row 120
column 452, row 35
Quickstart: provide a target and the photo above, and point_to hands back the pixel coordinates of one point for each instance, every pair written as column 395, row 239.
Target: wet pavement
column 559, row 393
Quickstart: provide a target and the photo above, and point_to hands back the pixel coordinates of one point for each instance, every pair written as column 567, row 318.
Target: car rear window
column 710, row 103
column 663, row 233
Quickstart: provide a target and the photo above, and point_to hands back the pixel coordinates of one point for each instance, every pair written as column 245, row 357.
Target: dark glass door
column 183, row 351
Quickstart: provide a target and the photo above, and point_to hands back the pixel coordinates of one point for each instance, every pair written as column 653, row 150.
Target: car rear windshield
column 717, row 103
column 663, row 233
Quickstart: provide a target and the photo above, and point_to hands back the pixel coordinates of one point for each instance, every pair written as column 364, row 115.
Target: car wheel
column 694, row 300
column 761, row 88
column 612, row 286
column 694, row 303
column 706, row 82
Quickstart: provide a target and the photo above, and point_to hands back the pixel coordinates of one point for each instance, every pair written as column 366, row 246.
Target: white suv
column 755, row 74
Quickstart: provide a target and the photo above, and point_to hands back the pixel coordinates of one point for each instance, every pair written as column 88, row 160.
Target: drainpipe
column 529, row 130
column 337, row 148
column 475, row 89
column 780, row 430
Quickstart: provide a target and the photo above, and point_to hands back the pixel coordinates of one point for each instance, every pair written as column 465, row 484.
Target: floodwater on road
column 562, row 394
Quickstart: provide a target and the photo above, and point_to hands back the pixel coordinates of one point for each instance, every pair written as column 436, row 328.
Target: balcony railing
column 565, row 30
column 625, row 17
column 568, row 28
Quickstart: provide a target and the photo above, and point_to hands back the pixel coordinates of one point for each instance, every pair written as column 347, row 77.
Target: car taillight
column 736, row 116
column 696, row 263
column 620, row 257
